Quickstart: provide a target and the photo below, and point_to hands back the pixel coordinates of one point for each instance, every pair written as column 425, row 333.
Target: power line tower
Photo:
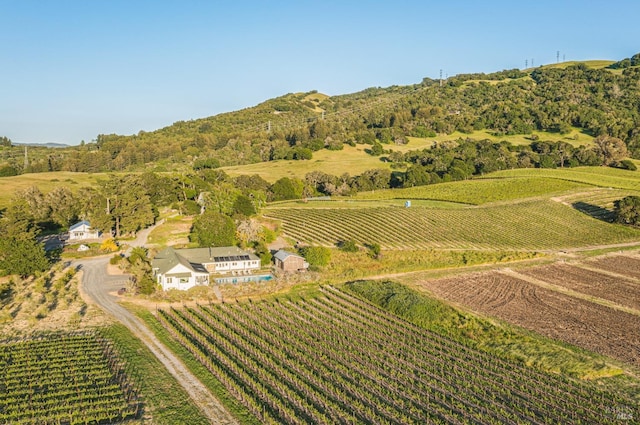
column 558, row 56
column 526, row 63
column 531, row 62
column 440, row 78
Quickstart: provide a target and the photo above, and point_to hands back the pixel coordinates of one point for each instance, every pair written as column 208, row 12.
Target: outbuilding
column 286, row 261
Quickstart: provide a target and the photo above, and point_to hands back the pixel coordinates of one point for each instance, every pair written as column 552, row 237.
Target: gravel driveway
column 97, row 285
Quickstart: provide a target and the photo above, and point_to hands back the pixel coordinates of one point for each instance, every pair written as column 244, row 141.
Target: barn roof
column 283, row 255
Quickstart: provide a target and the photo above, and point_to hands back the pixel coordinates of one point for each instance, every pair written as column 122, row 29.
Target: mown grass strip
column 166, row 400
column 236, row 409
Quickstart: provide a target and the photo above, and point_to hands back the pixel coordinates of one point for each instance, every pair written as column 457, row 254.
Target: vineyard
column 336, row 359
column 523, row 225
column 606, row 177
column 64, row 379
column 479, row 191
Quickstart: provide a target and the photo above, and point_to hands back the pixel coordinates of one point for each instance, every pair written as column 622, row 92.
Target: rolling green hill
column 572, row 102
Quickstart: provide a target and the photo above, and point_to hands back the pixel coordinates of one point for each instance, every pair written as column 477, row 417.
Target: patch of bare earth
column 624, row 292
column 620, row 264
column 553, row 314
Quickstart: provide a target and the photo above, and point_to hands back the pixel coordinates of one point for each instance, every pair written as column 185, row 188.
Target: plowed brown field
column 620, row 264
column 551, row 313
column 625, row 292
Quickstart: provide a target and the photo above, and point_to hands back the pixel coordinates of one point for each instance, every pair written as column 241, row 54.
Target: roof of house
column 283, row 255
column 220, row 254
column 80, row 224
column 194, row 258
column 168, row 258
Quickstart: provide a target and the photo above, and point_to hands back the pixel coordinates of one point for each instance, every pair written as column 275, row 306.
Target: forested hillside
column 556, row 100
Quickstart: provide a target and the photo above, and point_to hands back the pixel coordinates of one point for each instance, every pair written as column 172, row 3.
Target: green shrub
column 316, row 256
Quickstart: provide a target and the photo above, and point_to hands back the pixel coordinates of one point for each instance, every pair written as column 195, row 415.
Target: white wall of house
column 167, row 281
column 83, row 232
column 235, row 266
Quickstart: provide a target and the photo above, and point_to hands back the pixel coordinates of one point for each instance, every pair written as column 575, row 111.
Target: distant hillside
column 43, row 145
column 589, row 98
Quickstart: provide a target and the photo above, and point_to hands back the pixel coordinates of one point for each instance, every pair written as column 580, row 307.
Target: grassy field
column 45, row 182
column 575, row 138
column 353, row 160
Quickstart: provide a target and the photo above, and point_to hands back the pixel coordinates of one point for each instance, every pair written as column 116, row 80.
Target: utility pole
column 440, row 78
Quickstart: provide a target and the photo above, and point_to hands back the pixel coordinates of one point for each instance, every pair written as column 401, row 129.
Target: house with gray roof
column 186, row 268
column 82, row 231
column 286, row 261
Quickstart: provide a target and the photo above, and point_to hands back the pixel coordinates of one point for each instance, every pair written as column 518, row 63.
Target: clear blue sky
column 73, row 69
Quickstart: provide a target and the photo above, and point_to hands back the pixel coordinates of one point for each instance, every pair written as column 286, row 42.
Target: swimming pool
column 243, row 279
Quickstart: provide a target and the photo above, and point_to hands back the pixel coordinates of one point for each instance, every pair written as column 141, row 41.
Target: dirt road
column 97, row 285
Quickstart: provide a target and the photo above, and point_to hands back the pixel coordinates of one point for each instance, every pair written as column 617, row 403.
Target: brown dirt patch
column 620, row 264
column 555, row 315
column 625, row 292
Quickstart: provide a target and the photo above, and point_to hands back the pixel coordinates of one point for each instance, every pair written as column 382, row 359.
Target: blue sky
column 73, row 69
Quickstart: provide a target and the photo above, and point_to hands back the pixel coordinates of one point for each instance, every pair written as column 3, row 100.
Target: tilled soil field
column 620, row 264
column 550, row 313
column 625, row 292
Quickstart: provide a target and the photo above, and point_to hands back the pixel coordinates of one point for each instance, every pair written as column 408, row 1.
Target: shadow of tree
column 595, row 211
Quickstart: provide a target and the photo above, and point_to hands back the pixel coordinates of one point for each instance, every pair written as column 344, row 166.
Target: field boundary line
column 606, row 272
column 569, row 292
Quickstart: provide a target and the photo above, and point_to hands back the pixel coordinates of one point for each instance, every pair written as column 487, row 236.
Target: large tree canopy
column 627, row 210
column 213, row 229
column 20, row 253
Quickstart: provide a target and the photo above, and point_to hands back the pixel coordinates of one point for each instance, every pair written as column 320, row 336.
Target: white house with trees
column 82, row 231
column 186, row 268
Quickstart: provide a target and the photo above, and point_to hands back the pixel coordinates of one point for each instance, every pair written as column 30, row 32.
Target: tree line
column 557, row 100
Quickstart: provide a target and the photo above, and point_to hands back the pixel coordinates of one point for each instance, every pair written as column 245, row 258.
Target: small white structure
column 185, row 268
column 82, row 231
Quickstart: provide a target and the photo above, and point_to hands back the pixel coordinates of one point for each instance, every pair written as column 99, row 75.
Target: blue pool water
column 243, row 279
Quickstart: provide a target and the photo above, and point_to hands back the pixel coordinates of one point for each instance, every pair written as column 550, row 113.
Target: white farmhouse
column 82, row 231
column 185, row 268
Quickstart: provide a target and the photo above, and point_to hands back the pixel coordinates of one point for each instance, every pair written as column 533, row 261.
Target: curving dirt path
column 97, row 286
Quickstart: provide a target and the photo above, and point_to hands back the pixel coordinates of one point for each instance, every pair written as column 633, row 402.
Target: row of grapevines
column 338, row 359
column 58, row 378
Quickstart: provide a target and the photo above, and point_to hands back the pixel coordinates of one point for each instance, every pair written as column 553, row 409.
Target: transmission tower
column 558, row 56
